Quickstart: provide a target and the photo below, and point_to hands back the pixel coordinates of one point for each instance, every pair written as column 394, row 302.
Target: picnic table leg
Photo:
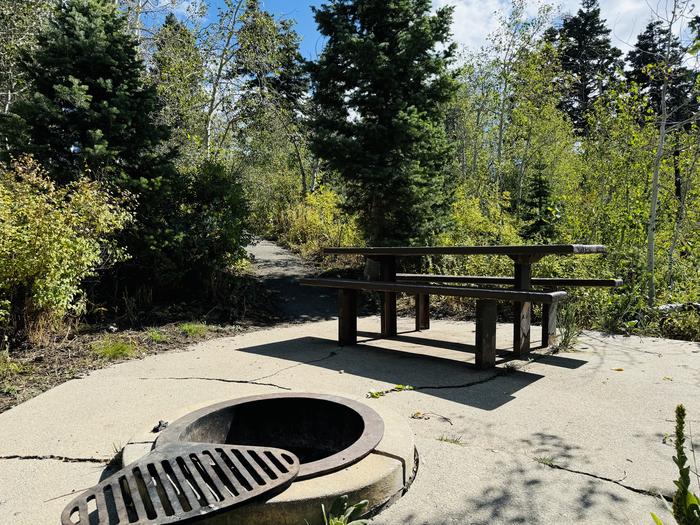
column 522, row 311
column 347, row 317
column 486, row 314
column 422, row 311
column 387, row 272
column 549, row 324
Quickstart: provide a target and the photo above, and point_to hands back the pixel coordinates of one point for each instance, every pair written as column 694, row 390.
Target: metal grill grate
column 177, row 482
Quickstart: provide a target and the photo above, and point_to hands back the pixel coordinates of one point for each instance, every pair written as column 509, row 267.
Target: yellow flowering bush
column 51, row 239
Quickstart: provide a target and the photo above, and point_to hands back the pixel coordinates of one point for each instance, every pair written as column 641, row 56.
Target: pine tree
column 381, row 87
column 587, row 54
column 645, row 59
column 90, row 107
column 538, row 211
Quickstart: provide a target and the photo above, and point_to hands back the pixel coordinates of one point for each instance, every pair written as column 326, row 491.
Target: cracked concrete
column 64, row 459
column 219, row 379
column 599, row 413
column 618, row 482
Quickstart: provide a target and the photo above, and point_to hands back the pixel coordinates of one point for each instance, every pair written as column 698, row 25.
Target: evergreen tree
column 381, row 87
column 647, row 60
column 538, row 211
column 90, row 107
column 587, row 54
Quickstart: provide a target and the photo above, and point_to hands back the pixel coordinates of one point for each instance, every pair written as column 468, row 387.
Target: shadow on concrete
column 443, row 377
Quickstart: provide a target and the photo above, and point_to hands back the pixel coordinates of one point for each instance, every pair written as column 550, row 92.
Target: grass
column 193, row 329
column 9, row 367
column 545, row 460
column 114, row 348
column 157, row 336
column 452, row 440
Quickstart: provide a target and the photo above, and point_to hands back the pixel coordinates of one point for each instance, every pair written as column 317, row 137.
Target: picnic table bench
column 521, row 293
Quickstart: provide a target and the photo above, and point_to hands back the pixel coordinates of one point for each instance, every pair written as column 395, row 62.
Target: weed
column 9, row 367
column 545, row 460
column 569, row 325
column 193, row 329
column 686, row 505
column 455, row 440
column 157, row 336
column 376, row 394
column 510, row 368
column 111, row 347
column 341, row 513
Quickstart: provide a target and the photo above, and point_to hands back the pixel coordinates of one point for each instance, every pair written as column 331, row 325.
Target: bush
column 51, row 239
column 318, row 222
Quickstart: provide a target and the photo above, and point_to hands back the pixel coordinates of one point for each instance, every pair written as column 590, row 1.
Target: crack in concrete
column 217, row 379
column 64, row 459
column 463, row 385
column 617, row 482
column 330, row 355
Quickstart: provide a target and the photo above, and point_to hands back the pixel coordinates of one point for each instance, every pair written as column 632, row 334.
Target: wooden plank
column 347, row 317
column 506, row 281
column 537, row 249
column 454, row 291
column 549, row 324
column 522, row 310
column 387, row 273
column 486, row 314
column 422, row 311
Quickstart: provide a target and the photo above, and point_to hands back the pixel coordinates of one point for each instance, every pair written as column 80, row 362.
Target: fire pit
column 343, row 447
column 327, row 433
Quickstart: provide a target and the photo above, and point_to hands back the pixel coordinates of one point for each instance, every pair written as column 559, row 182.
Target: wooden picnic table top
column 525, row 249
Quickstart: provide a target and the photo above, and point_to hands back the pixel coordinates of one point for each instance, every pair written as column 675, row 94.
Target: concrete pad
column 602, row 411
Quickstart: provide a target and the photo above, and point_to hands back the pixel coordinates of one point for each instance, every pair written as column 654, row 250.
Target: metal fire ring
column 372, row 432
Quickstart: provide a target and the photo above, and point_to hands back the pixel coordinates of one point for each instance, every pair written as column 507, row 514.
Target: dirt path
column 279, row 270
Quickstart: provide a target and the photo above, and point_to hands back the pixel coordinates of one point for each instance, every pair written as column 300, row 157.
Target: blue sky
column 299, row 10
column 475, row 19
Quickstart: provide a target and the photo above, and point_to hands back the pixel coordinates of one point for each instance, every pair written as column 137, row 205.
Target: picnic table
column 521, row 285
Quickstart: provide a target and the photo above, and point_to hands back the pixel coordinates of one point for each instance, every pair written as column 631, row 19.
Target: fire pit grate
column 177, row 482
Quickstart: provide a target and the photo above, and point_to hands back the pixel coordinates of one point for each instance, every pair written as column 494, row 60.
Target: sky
column 475, row 19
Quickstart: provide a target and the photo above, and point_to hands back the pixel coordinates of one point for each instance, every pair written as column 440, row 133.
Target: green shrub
column 115, row 348
column 51, row 239
column 318, row 222
column 193, row 329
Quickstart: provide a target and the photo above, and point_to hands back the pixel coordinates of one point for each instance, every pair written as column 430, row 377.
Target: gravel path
column 279, row 270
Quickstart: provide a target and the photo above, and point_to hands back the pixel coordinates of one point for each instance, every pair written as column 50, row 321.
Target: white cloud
column 475, row 19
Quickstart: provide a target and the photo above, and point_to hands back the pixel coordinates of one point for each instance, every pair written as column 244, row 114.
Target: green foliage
column 157, row 336
column 51, row 239
column 569, row 323
column 376, row 394
column 319, row 221
column 452, row 440
column 114, row 348
column 341, row 513
column 686, row 505
column 193, row 329
column 90, row 107
column 381, row 85
column 10, row 367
